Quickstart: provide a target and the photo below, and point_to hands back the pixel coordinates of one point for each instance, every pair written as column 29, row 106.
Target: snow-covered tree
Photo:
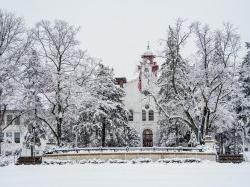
column 104, row 120
column 13, row 46
column 245, row 85
column 215, row 78
column 230, row 140
column 132, row 137
column 193, row 140
column 58, row 49
column 243, row 103
column 32, row 81
column 174, row 87
column 206, row 87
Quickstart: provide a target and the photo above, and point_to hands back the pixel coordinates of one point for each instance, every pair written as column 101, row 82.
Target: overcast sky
column 117, row 31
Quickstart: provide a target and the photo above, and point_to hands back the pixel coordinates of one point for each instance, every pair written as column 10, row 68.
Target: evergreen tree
column 104, row 119
column 245, row 72
column 132, row 138
column 173, row 83
column 31, row 80
column 243, row 104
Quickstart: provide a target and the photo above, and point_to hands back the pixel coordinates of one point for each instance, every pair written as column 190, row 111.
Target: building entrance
column 147, row 138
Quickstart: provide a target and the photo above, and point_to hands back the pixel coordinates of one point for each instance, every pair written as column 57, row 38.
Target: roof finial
column 148, row 48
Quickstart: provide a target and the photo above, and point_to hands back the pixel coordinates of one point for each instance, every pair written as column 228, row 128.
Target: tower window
column 131, row 115
column 144, row 115
column 150, row 115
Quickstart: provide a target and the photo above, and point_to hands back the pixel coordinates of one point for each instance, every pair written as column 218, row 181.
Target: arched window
column 131, row 115
column 143, row 115
column 150, row 115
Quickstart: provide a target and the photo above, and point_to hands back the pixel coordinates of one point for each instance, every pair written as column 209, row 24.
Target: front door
column 147, row 138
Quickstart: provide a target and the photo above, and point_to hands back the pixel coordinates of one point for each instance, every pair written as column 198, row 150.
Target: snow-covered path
column 130, row 175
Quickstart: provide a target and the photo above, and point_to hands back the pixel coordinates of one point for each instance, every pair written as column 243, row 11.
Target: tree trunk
column 203, row 121
column 31, row 150
column 58, row 141
column 176, row 134
column 207, row 122
column 2, row 114
column 192, row 124
column 59, row 134
column 103, row 134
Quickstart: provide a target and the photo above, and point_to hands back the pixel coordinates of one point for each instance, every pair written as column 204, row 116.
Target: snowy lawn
column 208, row 174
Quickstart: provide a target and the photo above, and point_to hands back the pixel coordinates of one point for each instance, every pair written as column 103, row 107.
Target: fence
column 125, row 149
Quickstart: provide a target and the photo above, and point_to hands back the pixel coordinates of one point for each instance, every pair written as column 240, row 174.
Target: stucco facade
column 144, row 114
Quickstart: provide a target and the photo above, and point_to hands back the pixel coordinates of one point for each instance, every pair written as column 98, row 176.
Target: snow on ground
column 206, row 174
column 247, row 156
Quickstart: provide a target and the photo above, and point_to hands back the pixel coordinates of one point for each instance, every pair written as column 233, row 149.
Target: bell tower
column 147, row 70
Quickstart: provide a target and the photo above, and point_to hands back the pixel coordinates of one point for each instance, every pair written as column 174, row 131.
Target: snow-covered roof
column 148, row 53
column 132, row 80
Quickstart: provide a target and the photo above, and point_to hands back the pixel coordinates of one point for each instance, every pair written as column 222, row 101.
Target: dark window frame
column 17, row 139
column 144, row 115
column 151, row 115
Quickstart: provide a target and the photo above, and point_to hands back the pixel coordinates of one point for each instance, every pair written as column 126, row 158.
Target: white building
column 13, row 135
column 143, row 110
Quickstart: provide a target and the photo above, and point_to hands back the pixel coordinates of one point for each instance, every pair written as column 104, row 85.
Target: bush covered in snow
column 179, row 160
column 117, row 161
column 96, row 161
column 6, row 160
column 120, row 161
column 141, row 160
column 57, row 162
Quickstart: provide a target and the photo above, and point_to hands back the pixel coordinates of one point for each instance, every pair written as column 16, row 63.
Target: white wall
column 9, row 144
column 136, row 101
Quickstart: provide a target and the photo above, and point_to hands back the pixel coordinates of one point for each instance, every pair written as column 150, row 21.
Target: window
column 8, row 134
column 147, row 106
column 2, row 118
column 17, row 121
column 9, row 137
column 17, row 137
column 144, row 115
column 150, row 115
column 1, row 136
column 9, row 118
column 131, row 115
